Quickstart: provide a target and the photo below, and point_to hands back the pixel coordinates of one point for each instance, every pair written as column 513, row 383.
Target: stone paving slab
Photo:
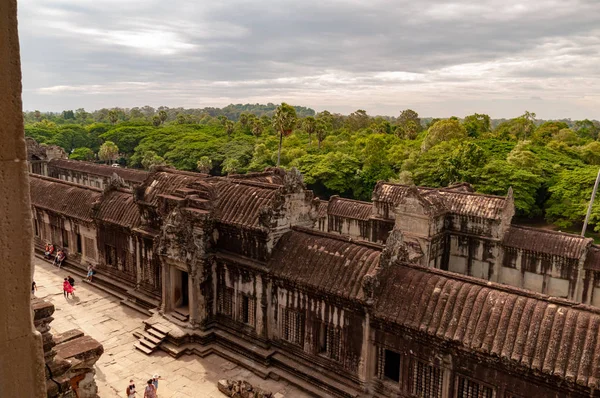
column 100, row 316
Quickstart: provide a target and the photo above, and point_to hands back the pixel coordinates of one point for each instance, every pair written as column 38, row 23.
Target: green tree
column 156, row 120
column 257, row 127
column 409, row 124
column 309, row 124
column 229, row 128
column 284, row 122
column 587, row 128
column 231, row 166
column 321, row 130
column 113, row 116
column 442, row 131
column 85, row 154
column 151, row 160
column 162, row 115
column 108, row 152
column 204, row 165
column 570, row 198
column 590, row 153
column 477, row 124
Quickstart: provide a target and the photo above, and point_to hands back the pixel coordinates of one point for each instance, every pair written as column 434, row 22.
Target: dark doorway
column 185, row 301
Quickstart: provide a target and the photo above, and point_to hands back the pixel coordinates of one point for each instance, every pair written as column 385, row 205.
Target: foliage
column 551, row 165
column 85, row 154
column 109, row 152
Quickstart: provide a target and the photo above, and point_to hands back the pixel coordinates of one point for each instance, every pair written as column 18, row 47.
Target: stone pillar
column 21, row 355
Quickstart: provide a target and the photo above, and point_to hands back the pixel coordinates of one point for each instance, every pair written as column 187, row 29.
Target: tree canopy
column 551, row 165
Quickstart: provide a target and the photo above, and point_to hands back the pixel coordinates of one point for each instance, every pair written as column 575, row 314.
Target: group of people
column 68, row 288
column 49, row 253
column 150, row 391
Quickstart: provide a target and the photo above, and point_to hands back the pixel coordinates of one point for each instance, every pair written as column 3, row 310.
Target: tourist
column 67, row 288
column 90, row 273
column 130, row 389
column 33, row 288
column 60, row 257
column 155, row 381
column 150, row 390
column 48, row 250
column 72, row 283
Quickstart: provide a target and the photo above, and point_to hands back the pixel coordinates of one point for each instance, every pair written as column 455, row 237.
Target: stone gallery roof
column 592, row 261
column 132, row 175
column 330, row 263
column 456, row 199
column 239, row 203
column 349, row 208
column 69, row 199
column 271, row 175
column 166, row 183
column 545, row 242
column 548, row 336
column 322, row 210
column 118, row 207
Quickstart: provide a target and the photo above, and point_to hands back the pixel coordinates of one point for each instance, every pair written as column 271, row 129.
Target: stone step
column 135, row 306
column 151, row 338
column 148, row 344
column 180, row 317
column 156, row 333
column 161, row 328
column 142, row 348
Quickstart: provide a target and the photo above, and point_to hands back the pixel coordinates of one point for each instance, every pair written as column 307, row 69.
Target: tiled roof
column 333, row 264
column 472, row 204
column 544, row 241
column 240, row 203
column 349, row 208
column 456, row 199
column 322, row 210
column 166, row 183
column 132, row 175
column 526, row 329
column 271, row 175
column 592, row 260
column 118, row 207
column 69, row 199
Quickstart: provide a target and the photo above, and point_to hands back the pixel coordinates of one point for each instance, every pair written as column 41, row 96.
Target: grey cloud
column 318, row 53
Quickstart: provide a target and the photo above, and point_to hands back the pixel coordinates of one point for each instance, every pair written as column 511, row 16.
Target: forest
column 551, row 165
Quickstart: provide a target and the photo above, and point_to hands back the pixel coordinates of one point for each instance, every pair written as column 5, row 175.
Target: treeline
column 551, row 165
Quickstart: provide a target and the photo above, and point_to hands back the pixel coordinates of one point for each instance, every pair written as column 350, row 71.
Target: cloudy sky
column 440, row 58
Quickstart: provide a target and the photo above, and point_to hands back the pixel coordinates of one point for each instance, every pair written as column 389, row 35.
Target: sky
column 440, row 58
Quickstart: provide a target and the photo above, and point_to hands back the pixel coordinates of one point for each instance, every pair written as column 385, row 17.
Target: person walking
column 72, row 283
column 150, row 390
column 131, row 389
column 155, row 379
column 67, row 288
column 33, row 288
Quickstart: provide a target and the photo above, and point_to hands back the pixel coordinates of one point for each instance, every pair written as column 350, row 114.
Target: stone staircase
column 181, row 314
column 150, row 339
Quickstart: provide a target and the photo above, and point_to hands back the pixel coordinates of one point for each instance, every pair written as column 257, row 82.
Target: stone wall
column 69, row 357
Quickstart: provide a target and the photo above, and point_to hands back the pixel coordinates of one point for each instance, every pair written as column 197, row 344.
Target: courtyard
column 102, row 317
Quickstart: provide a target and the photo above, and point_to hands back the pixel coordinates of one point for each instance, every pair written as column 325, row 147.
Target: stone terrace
column 102, row 317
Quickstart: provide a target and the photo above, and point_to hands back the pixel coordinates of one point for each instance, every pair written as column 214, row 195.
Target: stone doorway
column 180, row 294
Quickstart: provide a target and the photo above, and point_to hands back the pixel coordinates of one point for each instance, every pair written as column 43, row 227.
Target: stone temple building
column 419, row 293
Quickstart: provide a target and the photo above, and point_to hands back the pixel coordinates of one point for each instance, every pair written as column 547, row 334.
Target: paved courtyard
column 102, row 317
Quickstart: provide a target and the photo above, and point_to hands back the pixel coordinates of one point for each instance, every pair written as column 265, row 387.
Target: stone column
column 21, row 355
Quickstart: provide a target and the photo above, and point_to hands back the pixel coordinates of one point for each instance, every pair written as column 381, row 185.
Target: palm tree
column 229, row 127
column 284, row 122
column 321, row 130
column 257, row 127
column 310, row 124
column 163, row 116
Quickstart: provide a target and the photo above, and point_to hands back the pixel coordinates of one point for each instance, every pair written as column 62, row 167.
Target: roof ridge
column 502, row 287
column 342, row 238
column 51, row 179
column 548, row 231
column 337, row 197
column 444, row 189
